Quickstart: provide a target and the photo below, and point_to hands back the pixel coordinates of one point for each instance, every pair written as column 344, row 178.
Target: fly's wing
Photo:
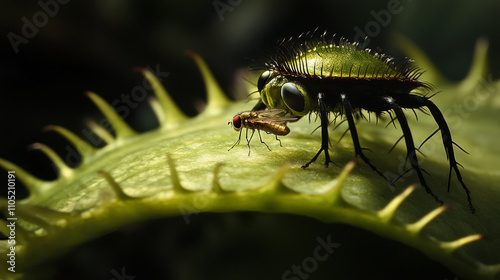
column 271, row 112
column 273, row 115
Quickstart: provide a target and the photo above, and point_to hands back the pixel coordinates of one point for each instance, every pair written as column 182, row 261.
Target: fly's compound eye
column 237, row 122
column 295, row 98
column 263, row 79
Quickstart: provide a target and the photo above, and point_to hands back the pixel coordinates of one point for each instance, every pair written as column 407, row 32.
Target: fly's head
column 280, row 92
column 236, row 123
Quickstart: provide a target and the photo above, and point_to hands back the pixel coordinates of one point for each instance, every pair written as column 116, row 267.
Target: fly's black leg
column 411, row 152
column 358, row 151
column 259, row 106
column 447, row 142
column 323, row 115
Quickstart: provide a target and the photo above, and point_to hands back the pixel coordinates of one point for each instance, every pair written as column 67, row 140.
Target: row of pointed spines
column 46, row 218
column 164, row 107
column 478, row 70
column 275, row 185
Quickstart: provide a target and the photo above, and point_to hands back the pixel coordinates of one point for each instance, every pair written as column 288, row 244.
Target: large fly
column 311, row 74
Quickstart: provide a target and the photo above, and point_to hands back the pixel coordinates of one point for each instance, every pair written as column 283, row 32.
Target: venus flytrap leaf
column 479, row 68
column 35, row 186
column 34, row 219
column 81, row 146
column 157, row 110
column 216, row 187
column 62, row 167
column 334, row 194
column 116, row 188
column 122, row 129
column 453, row 245
column 170, row 114
column 216, row 99
column 174, row 177
column 431, row 73
column 101, row 132
column 388, row 212
column 417, row 226
column 51, row 216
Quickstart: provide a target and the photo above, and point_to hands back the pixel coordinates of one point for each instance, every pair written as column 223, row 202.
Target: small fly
column 268, row 121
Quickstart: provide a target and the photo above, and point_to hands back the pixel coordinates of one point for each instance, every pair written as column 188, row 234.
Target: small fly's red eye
column 237, row 121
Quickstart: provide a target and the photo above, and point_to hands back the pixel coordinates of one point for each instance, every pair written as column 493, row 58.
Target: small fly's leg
column 323, row 115
column 260, row 137
column 237, row 142
column 411, row 152
column 248, row 140
column 278, row 140
column 358, row 151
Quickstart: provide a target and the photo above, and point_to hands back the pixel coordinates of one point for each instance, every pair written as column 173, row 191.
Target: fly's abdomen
column 278, row 129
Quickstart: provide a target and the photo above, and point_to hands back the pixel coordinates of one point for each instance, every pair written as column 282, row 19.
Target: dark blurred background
column 78, row 46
